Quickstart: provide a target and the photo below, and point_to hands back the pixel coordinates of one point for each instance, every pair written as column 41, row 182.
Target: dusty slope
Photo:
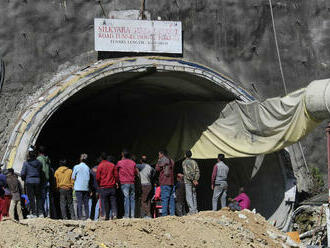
column 206, row 229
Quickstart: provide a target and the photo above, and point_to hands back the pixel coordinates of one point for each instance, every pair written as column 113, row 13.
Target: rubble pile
column 205, row 229
column 310, row 223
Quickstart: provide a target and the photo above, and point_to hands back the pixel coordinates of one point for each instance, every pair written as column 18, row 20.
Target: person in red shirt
column 127, row 171
column 107, row 179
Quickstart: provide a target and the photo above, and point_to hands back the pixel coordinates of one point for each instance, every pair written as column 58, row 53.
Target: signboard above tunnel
column 117, row 35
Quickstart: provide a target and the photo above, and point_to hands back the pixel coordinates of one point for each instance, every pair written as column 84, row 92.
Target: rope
column 282, row 74
column 276, row 44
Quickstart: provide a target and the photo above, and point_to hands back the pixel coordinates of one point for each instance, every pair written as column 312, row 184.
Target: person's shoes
column 114, row 218
column 31, row 216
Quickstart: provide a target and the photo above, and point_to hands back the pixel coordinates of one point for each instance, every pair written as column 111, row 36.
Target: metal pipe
column 328, row 147
column 327, row 206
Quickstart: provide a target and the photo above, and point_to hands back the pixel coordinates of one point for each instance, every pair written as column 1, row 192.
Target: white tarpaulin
column 256, row 128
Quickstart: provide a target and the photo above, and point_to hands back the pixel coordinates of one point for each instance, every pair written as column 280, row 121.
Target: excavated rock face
column 41, row 38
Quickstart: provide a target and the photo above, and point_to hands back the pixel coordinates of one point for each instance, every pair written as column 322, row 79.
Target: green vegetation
column 318, row 182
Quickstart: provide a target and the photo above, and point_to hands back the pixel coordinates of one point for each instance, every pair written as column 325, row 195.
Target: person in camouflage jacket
column 191, row 177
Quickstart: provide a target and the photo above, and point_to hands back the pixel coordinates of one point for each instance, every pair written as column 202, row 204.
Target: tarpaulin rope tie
column 282, row 74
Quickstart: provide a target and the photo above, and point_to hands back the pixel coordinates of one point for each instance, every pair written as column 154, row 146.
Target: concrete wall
column 40, row 38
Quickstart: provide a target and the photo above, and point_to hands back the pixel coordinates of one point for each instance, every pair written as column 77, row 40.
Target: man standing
column 64, row 184
column 127, row 172
column 31, row 174
column 219, row 183
column 191, row 177
column 95, row 193
column 146, row 174
column 81, row 176
column 180, row 195
column 165, row 166
column 15, row 188
column 107, row 179
column 45, row 186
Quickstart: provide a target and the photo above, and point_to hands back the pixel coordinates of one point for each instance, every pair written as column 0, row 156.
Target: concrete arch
column 45, row 104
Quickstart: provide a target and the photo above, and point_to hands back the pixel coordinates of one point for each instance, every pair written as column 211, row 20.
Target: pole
column 327, row 207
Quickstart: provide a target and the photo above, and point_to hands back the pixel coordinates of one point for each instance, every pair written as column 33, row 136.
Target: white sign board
column 138, row 36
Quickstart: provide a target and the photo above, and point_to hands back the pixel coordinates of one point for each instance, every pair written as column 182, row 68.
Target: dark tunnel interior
column 143, row 112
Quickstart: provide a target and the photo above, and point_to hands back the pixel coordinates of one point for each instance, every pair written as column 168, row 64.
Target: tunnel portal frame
column 34, row 116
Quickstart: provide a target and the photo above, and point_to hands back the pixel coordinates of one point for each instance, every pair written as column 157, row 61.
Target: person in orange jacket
column 64, row 184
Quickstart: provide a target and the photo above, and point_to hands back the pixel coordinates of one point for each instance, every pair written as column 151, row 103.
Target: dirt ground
column 205, row 229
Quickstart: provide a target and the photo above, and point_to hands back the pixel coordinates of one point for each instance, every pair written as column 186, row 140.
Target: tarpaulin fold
column 249, row 129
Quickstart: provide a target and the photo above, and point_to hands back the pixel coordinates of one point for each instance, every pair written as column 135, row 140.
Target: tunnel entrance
column 172, row 98
column 143, row 104
column 143, row 112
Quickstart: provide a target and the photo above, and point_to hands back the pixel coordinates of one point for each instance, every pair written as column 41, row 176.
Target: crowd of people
column 111, row 190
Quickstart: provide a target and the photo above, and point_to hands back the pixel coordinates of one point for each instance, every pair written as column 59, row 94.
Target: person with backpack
column 165, row 167
column 45, row 185
column 81, row 177
column 15, row 188
column 31, row 174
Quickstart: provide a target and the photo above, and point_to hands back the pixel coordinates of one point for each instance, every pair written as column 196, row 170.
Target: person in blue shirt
column 81, row 177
